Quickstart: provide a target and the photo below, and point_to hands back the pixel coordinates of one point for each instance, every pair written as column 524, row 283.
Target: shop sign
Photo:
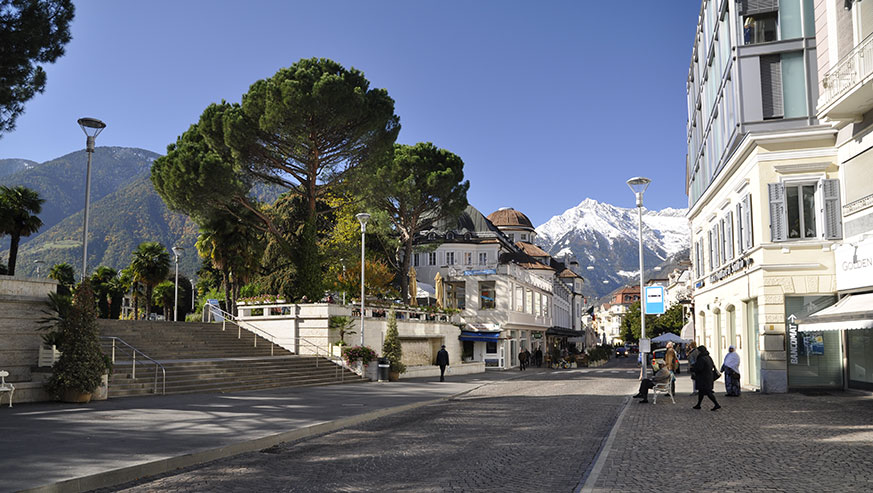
column 537, row 335
column 793, row 349
column 731, row 269
column 854, row 266
column 480, row 272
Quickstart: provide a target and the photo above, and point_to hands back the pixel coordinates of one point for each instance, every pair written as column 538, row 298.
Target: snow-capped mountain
column 604, row 238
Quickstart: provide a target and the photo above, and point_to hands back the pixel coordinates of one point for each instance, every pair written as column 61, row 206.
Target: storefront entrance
column 859, row 350
column 814, row 358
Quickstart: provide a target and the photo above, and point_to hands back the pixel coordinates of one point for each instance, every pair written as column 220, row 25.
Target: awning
column 855, row 311
column 564, row 332
column 688, row 330
column 669, row 337
column 479, row 336
column 483, row 327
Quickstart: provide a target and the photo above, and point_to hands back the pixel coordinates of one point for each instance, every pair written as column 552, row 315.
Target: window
column 483, row 258
column 771, row 86
column 545, row 306
column 727, row 236
column 450, row 258
column 794, row 206
column 431, row 258
column 468, row 258
column 524, row 237
column 491, row 347
column 486, row 295
column 744, row 224
column 519, row 299
column 537, row 305
column 760, row 28
column 512, row 237
column 415, row 260
column 528, row 301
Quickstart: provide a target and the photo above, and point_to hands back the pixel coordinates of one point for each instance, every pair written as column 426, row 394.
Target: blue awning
column 479, row 336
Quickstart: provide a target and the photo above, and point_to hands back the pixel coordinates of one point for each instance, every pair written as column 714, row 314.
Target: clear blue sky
column 547, row 102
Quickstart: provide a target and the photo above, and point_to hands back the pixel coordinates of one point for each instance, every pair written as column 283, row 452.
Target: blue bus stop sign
column 654, row 300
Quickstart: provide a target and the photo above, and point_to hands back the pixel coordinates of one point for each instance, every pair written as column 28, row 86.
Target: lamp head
column 177, row 250
column 363, row 217
column 91, row 126
column 638, row 184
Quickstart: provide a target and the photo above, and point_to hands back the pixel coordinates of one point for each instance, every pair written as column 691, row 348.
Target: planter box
column 48, row 355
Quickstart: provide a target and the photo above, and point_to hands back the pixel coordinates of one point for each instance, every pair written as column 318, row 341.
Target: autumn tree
column 32, row 32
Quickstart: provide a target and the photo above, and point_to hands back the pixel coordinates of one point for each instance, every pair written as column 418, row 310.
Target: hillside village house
column 512, row 295
column 764, row 191
column 610, row 315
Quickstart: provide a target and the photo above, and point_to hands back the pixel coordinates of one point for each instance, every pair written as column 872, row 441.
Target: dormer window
column 450, row 236
column 524, row 237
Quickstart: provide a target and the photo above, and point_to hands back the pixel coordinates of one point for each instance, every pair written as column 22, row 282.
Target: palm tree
column 232, row 249
column 150, row 266
column 64, row 274
column 18, row 209
column 102, row 282
column 164, row 296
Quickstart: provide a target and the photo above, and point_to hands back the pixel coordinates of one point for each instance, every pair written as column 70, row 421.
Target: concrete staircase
column 200, row 357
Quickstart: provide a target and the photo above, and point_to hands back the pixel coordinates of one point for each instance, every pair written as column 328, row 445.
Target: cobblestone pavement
column 822, row 441
column 540, row 432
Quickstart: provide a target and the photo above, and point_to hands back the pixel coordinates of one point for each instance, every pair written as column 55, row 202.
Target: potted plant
column 82, row 365
column 362, row 354
column 392, row 349
column 343, row 325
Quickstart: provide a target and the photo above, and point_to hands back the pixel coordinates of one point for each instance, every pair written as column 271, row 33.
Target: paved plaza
column 541, row 430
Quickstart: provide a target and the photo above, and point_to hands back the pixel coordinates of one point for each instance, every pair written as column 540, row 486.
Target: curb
column 162, row 466
column 603, row 453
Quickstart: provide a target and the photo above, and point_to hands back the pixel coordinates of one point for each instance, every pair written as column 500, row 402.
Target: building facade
column 844, row 36
column 509, row 293
column 764, row 188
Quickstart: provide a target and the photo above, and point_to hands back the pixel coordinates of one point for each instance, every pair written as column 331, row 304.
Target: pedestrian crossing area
column 610, row 371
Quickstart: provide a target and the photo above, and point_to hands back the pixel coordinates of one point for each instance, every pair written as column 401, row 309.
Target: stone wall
column 21, row 304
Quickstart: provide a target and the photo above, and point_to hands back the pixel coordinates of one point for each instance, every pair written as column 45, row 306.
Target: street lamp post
column 362, row 217
column 193, row 293
column 38, row 265
column 638, row 186
column 92, row 127
column 176, row 252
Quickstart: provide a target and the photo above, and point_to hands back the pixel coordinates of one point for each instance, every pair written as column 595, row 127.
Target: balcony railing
column 856, row 66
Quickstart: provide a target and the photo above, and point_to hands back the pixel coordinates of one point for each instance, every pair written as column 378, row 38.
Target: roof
column 522, row 259
column 470, row 226
column 509, row 217
column 567, row 273
column 531, row 249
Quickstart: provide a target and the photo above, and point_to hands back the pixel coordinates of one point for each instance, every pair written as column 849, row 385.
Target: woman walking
column 731, row 370
column 704, row 373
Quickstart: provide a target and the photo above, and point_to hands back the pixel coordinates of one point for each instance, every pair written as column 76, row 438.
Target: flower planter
column 393, row 376
column 76, row 397
column 101, row 393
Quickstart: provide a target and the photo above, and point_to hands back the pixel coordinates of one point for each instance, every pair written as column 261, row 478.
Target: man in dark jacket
column 704, row 373
column 443, row 361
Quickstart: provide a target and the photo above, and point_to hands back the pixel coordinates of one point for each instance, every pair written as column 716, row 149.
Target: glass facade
column 814, row 358
column 793, row 85
column 859, row 350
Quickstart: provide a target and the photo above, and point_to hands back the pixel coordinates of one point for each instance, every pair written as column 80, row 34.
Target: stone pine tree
column 422, row 184
column 19, row 207
column 307, row 128
column 31, row 32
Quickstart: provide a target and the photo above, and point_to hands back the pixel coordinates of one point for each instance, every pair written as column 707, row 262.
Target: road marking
column 602, row 454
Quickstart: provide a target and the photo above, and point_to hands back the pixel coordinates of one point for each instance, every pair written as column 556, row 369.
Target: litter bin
column 384, row 369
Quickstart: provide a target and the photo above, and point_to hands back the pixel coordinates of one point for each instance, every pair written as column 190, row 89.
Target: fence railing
column 118, row 344
column 856, row 66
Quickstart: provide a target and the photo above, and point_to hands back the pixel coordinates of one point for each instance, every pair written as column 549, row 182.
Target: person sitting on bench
column 664, row 375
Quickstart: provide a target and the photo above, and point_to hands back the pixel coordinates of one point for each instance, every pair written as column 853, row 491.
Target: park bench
column 6, row 387
column 664, row 388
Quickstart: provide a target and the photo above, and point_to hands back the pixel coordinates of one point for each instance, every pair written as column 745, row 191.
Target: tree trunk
column 135, row 301
column 13, row 253
column 148, row 300
column 225, row 277
column 404, row 270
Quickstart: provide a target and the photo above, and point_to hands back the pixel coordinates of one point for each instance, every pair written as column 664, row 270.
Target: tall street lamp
column 193, row 293
column 92, row 128
column 638, row 186
column 176, row 252
column 363, row 217
column 38, row 265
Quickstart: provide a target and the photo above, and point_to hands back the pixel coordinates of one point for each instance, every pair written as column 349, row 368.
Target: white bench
column 664, row 388
column 6, row 387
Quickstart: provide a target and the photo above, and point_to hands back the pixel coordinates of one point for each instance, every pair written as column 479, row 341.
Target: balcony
column 847, row 90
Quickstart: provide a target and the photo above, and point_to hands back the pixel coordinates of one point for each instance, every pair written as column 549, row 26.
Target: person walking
column 539, row 356
column 704, row 375
column 522, row 360
column 442, row 360
column 731, row 370
column 671, row 361
column 692, row 358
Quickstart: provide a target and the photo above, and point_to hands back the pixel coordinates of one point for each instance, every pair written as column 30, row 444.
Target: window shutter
column 776, row 193
column 832, row 216
column 759, row 6
column 729, row 236
column 747, row 222
column 709, row 244
column 740, row 230
column 771, row 86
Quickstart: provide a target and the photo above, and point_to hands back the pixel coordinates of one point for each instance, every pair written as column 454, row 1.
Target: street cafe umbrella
column 440, row 290
column 669, row 337
column 413, row 288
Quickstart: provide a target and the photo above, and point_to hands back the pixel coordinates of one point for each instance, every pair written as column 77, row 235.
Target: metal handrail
column 133, row 352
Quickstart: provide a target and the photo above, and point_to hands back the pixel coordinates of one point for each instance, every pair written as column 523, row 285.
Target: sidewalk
column 817, row 441
column 69, row 447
